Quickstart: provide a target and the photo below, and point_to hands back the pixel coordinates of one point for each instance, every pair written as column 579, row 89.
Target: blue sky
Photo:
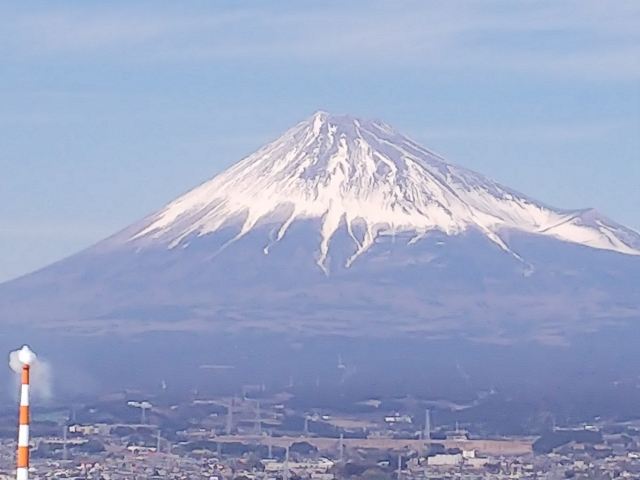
column 110, row 110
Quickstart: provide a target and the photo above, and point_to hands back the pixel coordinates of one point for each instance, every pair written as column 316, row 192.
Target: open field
column 491, row 447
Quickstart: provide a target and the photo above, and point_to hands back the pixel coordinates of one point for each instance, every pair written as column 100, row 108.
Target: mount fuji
column 346, row 226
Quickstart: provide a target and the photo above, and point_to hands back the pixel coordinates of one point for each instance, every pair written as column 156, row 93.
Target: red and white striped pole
column 23, row 430
column 26, row 357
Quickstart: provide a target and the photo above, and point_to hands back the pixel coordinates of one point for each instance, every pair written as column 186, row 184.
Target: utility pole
column 427, row 425
column 305, row 432
column 399, row 471
column 230, row 417
column 258, row 424
column 64, row 442
column 286, row 464
column 158, row 441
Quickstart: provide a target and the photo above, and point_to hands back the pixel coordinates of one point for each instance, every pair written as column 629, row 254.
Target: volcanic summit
column 346, row 225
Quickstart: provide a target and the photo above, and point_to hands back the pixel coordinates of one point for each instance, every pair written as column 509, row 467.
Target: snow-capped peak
column 355, row 172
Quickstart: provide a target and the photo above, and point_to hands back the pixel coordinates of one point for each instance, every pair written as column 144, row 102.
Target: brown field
column 349, row 423
column 491, row 447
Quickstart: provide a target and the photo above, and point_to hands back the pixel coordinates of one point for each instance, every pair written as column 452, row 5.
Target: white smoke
column 40, row 372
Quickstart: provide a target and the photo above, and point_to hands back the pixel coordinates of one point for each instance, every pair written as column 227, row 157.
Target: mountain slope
column 344, row 226
column 375, row 180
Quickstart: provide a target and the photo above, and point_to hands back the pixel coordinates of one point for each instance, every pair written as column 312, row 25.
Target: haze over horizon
column 110, row 111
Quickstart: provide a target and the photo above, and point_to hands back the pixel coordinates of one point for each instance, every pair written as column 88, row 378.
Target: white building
column 445, row 460
column 397, row 418
column 310, row 467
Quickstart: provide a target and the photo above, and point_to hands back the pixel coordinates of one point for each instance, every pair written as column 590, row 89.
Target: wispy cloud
column 45, row 33
column 592, row 39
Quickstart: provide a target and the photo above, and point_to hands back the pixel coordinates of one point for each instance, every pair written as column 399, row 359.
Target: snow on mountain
column 376, row 181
